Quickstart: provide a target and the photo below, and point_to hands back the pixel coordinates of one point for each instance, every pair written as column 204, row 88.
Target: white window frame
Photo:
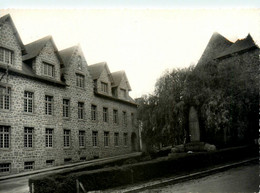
column 48, row 69
column 106, row 138
column 28, row 137
column 80, row 110
column 49, row 105
column 28, row 101
column 49, row 137
column 105, row 114
column 5, row 98
column 82, row 142
column 104, row 87
column 115, row 116
column 5, row 168
column 29, row 165
column 66, row 108
column 94, row 138
column 93, row 112
column 66, row 138
column 6, row 56
column 80, row 79
column 5, row 136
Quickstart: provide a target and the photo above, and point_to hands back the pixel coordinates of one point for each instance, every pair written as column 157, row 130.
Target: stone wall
column 17, row 119
column 9, row 41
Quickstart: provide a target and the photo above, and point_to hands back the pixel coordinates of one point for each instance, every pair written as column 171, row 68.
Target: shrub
column 101, row 179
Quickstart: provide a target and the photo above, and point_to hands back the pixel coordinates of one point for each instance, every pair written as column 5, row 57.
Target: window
column 6, row 56
column 28, row 166
column 95, row 85
column 80, row 110
column 49, row 162
column 28, row 137
column 106, row 138
column 67, row 160
column 132, row 119
column 80, row 80
column 28, row 102
column 4, row 136
column 66, row 138
column 82, row 158
column 5, row 98
column 125, row 139
column 105, row 114
column 81, row 138
column 123, row 91
column 114, row 92
column 49, row 137
column 5, row 167
column 47, row 69
column 66, row 104
column 116, row 139
column 115, row 116
column 79, row 63
column 104, row 87
column 48, row 105
column 93, row 112
column 94, row 138
column 124, row 118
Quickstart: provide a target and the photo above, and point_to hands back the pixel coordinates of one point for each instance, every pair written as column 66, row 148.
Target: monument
column 194, row 128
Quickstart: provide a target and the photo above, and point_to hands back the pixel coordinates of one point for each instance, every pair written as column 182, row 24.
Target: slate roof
column 96, row 70
column 239, row 46
column 34, row 48
column 66, row 54
column 215, row 46
column 117, row 77
column 8, row 17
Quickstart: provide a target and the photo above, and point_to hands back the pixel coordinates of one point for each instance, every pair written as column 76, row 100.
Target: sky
column 143, row 37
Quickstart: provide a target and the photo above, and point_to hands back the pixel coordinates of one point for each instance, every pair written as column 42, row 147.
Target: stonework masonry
column 68, row 78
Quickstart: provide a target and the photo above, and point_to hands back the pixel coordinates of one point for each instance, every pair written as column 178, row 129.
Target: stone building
column 242, row 55
column 55, row 109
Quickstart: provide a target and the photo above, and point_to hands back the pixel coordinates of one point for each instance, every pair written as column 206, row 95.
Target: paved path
column 241, row 179
column 18, row 183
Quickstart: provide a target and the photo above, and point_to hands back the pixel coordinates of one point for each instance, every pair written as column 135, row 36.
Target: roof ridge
column 119, row 71
column 240, row 45
column 99, row 63
column 71, row 47
column 41, row 39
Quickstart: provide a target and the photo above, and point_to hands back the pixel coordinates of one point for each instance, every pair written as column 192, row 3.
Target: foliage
column 181, row 163
column 225, row 94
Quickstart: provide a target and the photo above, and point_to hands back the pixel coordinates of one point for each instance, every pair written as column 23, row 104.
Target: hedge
column 105, row 178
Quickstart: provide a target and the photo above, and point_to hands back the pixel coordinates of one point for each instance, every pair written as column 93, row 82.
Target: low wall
column 105, row 178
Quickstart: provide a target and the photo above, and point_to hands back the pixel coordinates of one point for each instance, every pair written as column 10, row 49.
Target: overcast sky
column 143, row 42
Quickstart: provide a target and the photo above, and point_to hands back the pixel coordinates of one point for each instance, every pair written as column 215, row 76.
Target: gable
column 120, row 80
column 8, row 20
column 105, row 75
column 124, row 83
column 215, row 46
column 97, row 69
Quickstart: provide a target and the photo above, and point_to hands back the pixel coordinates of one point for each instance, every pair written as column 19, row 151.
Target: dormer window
column 79, row 63
column 123, row 91
column 6, row 56
column 104, row 87
column 80, row 80
column 114, row 92
column 48, row 69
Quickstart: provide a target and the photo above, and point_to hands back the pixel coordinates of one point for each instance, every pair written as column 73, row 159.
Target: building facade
column 55, row 109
